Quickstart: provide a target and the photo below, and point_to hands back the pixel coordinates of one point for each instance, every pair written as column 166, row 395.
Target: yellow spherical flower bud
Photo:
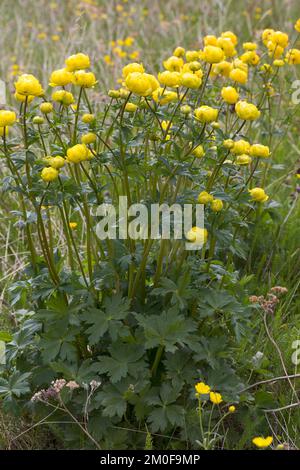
column 258, row 195
column 279, row 38
column 293, row 57
column 162, row 96
column 28, row 85
column 206, row 114
column 278, row 63
column 56, row 162
column 171, row 79
column 38, row 120
column 202, row 388
column 216, row 205
column 275, row 51
column 141, row 84
column 230, row 95
column 239, row 76
column 250, row 57
column 231, row 36
column 210, row 40
column 195, row 66
column 185, row 109
column 88, row 118
column 258, row 150
column 205, row 198
column 7, row 118
column 215, row 398
column 84, row 79
column 297, row 25
column 133, row 67
column 179, row 52
column 46, row 107
column 49, row 174
column 262, row 442
column 73, row 225
column 23, row 98
column 89, row 138
column 227, row 46
column 243, row 159
column 191, row 56
column 78, row 62
column 64, row 97
column 231, row 409
column 114, row 94
column 198, row 151
column 240, row 147
column 266, row 35
column 131, row 107
column 60, row 77
column 247, row 111
column 173, row 64
column 249, row 46
column 78, row 153
column 190, row 80
column 228, row 143
column 213, row 54
column 223, row 68
column 197, row 235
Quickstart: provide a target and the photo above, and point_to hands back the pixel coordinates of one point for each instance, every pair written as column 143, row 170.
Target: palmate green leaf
column 125, row 359
column 167, row 411
column 108, row 319
column 16, row 385
column 180, row 292
column 168, row 329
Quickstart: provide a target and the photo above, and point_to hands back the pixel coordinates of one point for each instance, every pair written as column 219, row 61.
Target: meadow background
column 35, row 38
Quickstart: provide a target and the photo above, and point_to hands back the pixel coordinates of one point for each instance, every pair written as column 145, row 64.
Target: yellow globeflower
column 210, row 40
column 191, row 56
column 216, row 205
column 247, row 111
column 84, row 79
column 131, row 107
column 243, row 159
column 89, row 138
column 229, row 95
column 231, row 36
column 88, row 118
column 258, row 150
column 239, row 76
column 206, row 114
column 28, row 85
column 231, row 409
column 73, row 225
column 262, row 442
column 60, row 77
column 78, row 62
column 249, row 46
column 293, row 57
column 78, row 153
column 222, row 68
column 197, row 235
column 64, row 97
column 162, row 96
column 240, row 147
column 133, row 67
column 55, row 162
column 266, row 35
column 227, row 46
column 199, row 151
column 142, row 84
column 297, row 25
column 279, row 38
column 202, row 388
column 213, row 54
column 173, row 64
column 258, row 195
column 179, row 52
column 190, row 80
column 205, row 198
column 215, row 398
column 49, row 174
column 7, row 118
column 46, row 107
column 171, row 79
